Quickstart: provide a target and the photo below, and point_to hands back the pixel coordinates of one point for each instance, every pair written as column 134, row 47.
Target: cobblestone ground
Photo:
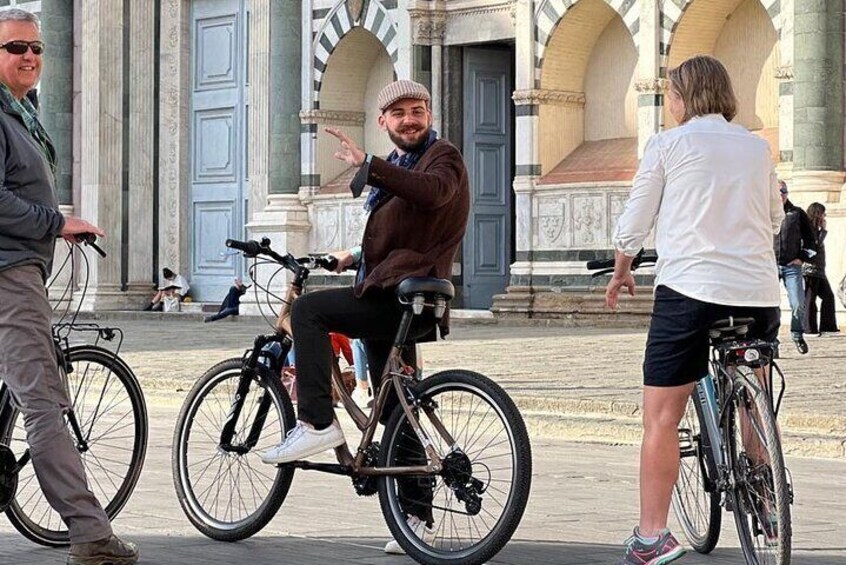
column 582, row 506
column 569, row 382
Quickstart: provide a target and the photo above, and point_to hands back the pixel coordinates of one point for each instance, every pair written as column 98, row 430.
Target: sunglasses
column 19, row 47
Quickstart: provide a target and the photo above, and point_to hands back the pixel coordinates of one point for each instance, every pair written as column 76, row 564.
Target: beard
column 412, row 141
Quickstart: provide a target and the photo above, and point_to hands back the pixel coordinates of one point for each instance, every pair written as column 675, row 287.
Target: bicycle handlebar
column 606, row 266
column 253, row 249
column 90, row 240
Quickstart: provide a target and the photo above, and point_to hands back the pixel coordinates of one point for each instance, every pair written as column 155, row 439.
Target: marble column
column 174, row 134
column 276, row 90
column 519, row 297
column 141, row 140
column 56, row 91
column 102, row 143
column 650, row 85
column 437, row 89
column 56, row 114
column 818, row 99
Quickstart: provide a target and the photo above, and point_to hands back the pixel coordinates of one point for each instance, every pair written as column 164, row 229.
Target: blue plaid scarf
column 406, row 161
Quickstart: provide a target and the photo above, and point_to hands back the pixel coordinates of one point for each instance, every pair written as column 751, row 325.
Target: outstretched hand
column 349, row 152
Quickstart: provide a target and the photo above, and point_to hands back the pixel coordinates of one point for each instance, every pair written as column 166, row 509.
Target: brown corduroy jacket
column 416, row 231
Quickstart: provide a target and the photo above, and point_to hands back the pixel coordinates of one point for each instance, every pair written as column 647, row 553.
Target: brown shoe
column 109, row 551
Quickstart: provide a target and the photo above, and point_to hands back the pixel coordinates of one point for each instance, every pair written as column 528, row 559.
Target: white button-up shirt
column 711, row 188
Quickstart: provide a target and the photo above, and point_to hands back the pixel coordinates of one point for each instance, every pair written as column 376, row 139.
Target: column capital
column 652, row 85
column 547, row 97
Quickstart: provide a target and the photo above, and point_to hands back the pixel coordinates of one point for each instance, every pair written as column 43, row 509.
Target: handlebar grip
column 90, row 239
column 250, row 248
column 328, row 262
column 600, row 264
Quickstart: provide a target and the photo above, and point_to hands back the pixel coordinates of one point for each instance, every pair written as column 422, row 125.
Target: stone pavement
column 570, row 383
column 582, row 506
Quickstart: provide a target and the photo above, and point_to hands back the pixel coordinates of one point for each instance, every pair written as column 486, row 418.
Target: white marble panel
column 589, row 221
column 553, row 226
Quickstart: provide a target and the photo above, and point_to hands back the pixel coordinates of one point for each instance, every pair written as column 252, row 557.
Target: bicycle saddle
column 730, row 327
column 425, row 285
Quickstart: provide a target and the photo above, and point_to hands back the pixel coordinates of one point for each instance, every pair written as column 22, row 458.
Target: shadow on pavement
column 196, row 550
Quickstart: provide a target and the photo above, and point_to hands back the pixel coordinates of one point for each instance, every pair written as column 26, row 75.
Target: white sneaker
column 304, row 441
column 420, row 530
column 361, row 397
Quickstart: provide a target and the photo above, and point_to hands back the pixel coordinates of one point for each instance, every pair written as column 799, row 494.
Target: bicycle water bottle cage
column 420, row 292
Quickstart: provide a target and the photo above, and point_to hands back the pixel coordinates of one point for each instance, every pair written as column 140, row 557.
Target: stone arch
column 744, row 35
column 358, row 68
column 549, row 14
column 373, row 17
column 672, row 12
column 586, row 95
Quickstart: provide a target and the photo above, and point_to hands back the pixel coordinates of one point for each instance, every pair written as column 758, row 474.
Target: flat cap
column 401, row 90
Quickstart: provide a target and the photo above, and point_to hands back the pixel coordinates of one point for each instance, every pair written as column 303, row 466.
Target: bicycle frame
column 714, row 393
column 397, row 375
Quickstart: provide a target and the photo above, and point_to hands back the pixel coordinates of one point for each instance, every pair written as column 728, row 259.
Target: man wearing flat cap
column 418, row 205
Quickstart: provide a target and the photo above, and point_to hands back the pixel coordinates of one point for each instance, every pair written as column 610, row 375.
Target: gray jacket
column 30, row 219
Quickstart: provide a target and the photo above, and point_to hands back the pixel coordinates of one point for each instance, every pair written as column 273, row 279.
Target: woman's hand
column 612, row 291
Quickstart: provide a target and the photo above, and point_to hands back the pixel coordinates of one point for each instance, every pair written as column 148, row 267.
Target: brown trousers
column 28, row 367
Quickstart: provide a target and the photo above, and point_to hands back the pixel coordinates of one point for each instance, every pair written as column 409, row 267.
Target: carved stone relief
column 326, row 227
column 588, row 221
column 354, row 220
column 552, row 223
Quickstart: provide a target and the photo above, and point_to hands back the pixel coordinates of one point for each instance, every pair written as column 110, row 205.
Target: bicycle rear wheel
column 697, row 509
column 229, row 494
column 478, row 499
column 108, row 404
column 761, row 493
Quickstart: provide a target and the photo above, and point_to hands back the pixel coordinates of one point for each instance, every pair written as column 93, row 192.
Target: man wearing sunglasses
column 30, row 222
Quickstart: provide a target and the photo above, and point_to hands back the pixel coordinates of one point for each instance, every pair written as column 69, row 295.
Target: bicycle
column 730, row 447
column 472, row 450
column 107, row 421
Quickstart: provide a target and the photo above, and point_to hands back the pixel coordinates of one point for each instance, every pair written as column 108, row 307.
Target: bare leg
column 663, row 408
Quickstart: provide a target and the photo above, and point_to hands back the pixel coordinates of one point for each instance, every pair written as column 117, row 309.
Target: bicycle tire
column 87, row 361
column 490, row 397
column 757, row 550
column 199, row 512
column 690, row 497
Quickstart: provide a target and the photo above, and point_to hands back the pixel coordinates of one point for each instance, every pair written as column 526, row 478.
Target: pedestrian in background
column 816, row 282
column 796, row 243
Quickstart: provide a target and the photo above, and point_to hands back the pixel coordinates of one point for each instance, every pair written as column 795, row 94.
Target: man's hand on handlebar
column 76, row 226
column 345, row 260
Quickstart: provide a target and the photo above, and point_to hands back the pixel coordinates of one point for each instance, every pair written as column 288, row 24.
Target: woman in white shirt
column 709, row 189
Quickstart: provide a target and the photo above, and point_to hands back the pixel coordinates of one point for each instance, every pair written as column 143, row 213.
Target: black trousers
column 374, row 318
column 819, row 287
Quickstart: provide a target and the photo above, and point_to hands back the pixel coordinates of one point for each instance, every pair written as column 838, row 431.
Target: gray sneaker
column 109, row 551
column 663, row 551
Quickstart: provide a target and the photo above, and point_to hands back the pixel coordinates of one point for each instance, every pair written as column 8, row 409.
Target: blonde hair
column 703, row 84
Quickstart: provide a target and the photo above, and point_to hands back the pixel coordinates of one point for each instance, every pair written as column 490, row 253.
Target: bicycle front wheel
column 477, row 501
column 109, row 407
column 227, row 492
column 761, row 492
column 696, row 501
